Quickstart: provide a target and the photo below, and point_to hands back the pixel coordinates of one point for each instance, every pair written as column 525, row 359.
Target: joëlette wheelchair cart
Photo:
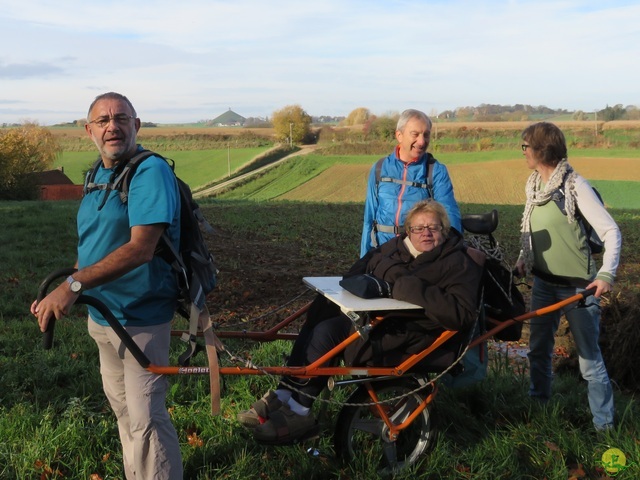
column 390, row 409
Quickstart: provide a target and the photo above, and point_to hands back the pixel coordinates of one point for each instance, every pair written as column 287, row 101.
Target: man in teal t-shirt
column 116, row 264
column 145, row 295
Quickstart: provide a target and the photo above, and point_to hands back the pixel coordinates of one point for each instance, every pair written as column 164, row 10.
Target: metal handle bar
column 47, row 336
column 47, row 340
column 536, row 313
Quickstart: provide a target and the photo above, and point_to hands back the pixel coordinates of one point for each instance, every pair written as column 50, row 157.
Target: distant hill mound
column 229, row 118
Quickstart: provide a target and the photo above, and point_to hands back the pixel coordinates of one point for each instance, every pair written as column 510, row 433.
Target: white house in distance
column 228, row 119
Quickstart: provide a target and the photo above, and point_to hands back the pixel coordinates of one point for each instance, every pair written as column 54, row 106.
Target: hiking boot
column 286, row 427
column 260, row 410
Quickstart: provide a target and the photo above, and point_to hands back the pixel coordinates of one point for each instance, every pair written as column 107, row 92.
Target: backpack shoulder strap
column 89, row 185
column 558, row 196
column 429, row 173
column 428, row 185
column 123, row 177
column 378, row 168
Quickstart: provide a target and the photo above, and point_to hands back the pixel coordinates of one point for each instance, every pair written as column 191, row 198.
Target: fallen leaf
column 194, row 440
column 552, row 446
column 576, row 471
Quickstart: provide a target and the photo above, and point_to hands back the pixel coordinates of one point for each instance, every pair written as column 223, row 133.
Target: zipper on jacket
column 404, row 179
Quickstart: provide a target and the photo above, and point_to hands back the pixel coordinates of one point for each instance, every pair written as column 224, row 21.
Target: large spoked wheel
column 361, row 432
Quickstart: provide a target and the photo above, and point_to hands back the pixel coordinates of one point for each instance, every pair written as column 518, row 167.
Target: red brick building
column 55, row 185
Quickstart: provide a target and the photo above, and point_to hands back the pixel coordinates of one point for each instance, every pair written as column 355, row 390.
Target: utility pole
column 228, row 160
column 596, row 121
column 290, row 134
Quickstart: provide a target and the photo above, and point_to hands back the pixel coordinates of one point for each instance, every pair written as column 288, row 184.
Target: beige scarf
column 536, row 197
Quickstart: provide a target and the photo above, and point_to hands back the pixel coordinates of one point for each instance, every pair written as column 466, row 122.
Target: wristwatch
column 74, row 285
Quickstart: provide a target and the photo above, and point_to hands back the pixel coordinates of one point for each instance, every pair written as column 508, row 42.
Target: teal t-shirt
column 146, row 295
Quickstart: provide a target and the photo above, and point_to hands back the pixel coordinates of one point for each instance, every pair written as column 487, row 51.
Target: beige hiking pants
column 150, row 447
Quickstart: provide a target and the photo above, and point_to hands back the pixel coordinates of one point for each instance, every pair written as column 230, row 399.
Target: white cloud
column 193, row 59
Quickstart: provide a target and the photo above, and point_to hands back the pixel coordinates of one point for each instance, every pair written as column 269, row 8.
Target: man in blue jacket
column 397, row 182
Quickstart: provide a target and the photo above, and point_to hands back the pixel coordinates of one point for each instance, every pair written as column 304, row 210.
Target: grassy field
column 494, row 176
column 75, row 132
column 195, row 167
column 477, row 178
column 55, row 422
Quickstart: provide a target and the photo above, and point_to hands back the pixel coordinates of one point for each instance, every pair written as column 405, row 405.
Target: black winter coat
column 444, row 281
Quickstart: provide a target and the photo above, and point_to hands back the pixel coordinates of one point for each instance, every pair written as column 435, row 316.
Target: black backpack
column 192, row 263
column 595, row 243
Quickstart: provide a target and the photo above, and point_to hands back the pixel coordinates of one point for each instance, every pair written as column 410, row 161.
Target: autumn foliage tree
column 359, row 116
column 291, row 120
column 381, row 128
column 24, row 150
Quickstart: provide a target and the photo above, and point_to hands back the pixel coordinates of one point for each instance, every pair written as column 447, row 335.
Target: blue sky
column 187, row 60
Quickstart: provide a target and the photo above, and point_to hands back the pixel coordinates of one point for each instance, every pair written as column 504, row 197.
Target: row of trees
column 489, row 112
column 293, row 124
column 518, row 112
column 360, row 116
column 608, row 114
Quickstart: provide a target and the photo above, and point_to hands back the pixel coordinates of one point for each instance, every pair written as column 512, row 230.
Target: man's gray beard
column 115, row 157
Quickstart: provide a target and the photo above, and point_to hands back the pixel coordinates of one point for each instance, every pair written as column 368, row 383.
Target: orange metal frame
column 315, row 369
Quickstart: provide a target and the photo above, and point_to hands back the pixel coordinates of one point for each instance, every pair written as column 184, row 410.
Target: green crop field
column 485, row 177
column 195, row 167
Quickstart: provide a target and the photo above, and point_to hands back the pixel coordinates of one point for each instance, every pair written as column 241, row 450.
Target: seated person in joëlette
column 427, row 266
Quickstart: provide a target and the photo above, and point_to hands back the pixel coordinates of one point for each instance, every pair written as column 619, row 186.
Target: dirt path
column 304, row 150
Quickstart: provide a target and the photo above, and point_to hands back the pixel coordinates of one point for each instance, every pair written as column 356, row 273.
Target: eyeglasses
column 524, row 147
column 119, row 119
column 421, row 228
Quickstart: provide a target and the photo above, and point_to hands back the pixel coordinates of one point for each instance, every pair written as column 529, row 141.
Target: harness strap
column 212, row 343
column 200, row 319
column 117, row 180
column 406, row 182
column 374, row 239
column 389, row 229
column 190, row 337
column 376, row 227
column 92, row 187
